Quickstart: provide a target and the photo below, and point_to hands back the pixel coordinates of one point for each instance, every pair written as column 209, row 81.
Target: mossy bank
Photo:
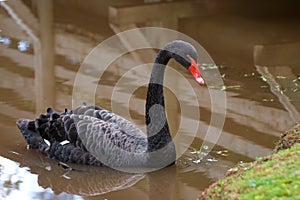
column 276, row 176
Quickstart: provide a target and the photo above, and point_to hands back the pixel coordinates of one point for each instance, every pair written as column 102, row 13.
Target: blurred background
column 255, row 45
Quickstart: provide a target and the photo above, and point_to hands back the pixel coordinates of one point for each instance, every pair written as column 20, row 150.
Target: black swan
column 95, row 136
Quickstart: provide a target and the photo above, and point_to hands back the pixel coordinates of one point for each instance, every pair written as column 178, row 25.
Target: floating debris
column 222, row 153
column 208, row 66
column 48, row 168
column 264, row 86
column 197, row 161
column 199, row 153
column 249, row 75
column 212, row 160
column 195, row 152
column 281, row 77
column 225, row 87
column 264, row 78
column 268, row 100
column 16, row 153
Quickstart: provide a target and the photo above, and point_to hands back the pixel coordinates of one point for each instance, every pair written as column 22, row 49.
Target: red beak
column 193, row 68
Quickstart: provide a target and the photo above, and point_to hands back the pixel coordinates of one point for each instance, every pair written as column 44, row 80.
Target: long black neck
column 156, row 121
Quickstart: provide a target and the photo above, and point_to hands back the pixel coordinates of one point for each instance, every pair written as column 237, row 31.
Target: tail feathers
column 33, row 139
column 55, row 149
column 50, row 130
column 51, row 126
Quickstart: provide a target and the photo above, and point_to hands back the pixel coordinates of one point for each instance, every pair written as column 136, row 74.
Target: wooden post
column 44, row 58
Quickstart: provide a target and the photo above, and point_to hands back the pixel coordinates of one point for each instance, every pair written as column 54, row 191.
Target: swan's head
column 185, row 54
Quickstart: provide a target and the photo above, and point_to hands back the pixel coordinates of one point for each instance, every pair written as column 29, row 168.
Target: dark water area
column 42, row 46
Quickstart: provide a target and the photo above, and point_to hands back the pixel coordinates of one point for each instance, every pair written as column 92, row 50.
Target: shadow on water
column 43, row 44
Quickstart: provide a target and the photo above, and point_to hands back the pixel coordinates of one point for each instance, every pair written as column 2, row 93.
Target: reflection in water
column 5, row 40
column 262, row 94
column 19, row 183
column 83, row 181
column 23, row 45
column 42, row 178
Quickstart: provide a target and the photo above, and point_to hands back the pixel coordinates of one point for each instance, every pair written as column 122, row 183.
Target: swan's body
column 95, row 136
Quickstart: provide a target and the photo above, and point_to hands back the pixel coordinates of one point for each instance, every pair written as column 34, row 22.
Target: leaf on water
column 295, row 80
column 196, row 161
column 264, row 78
column 208, row 66
column 264, row 86
column 234, row 87
column 16, row 153
column 268, row 100
column 219, row 152
column 249, row 75
column 222, row 153
column 225, row 87
column 195, row 152
column 212, row 160
column 281, row 77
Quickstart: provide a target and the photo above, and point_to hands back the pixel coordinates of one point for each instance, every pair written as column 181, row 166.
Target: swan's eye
column 193, row 68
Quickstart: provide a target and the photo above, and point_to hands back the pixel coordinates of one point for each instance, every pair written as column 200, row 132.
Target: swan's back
column 88, row 135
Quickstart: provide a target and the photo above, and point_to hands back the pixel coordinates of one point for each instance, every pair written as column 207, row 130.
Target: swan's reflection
column 93, row 181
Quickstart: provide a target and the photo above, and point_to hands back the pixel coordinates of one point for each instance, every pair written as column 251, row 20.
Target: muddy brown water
column 257, row 51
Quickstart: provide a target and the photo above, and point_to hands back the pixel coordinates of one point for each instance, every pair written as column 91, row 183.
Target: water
column 257, row 59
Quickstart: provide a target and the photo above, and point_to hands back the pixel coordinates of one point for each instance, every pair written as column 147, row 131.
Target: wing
column 105, row 115
column 109, row 143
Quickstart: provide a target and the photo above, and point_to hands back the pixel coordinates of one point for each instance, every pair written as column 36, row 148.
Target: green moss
column 274, row 177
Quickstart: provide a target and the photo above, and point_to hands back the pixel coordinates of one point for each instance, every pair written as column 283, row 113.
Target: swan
column 95, row 136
